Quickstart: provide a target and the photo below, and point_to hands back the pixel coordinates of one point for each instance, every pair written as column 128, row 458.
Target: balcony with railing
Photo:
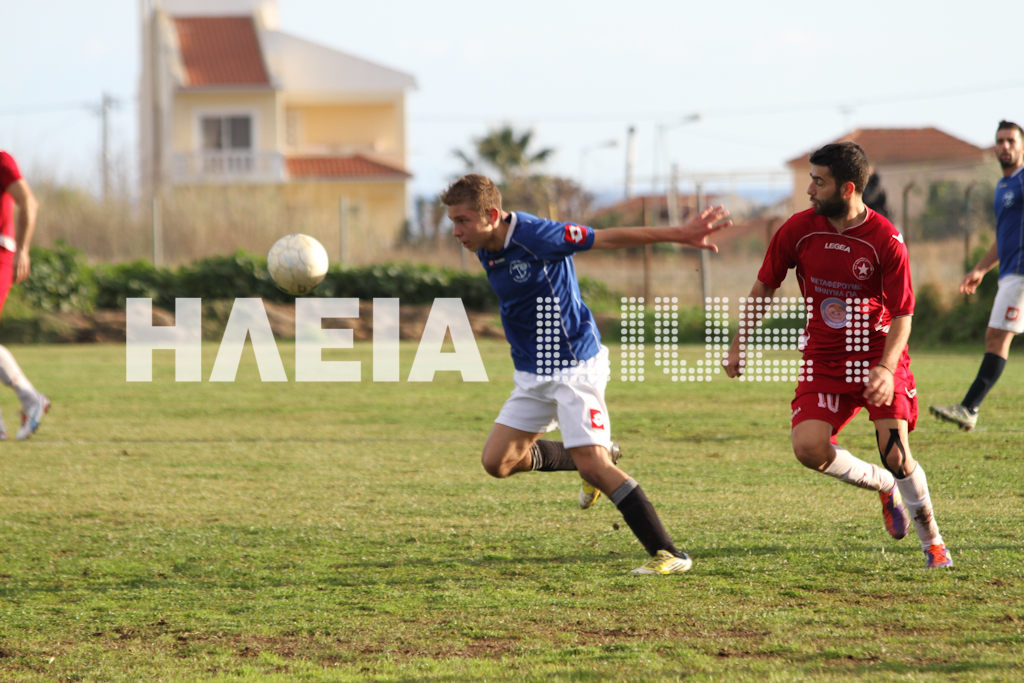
column 228, row 167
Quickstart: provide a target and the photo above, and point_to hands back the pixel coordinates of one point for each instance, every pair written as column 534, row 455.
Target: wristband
column 883, row 365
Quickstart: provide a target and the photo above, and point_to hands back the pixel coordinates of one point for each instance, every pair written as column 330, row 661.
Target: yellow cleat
column 665, row 562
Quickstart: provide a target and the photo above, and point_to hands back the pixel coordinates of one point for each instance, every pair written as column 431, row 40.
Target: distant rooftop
column 220, row 51
column 233, row 51
column 355, row 166
column 907, row 146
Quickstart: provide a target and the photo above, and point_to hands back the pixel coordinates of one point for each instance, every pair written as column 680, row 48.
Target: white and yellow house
column 248, row 133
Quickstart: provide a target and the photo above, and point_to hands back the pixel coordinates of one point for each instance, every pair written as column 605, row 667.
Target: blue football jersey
column 545, row 320
column 1009, row 208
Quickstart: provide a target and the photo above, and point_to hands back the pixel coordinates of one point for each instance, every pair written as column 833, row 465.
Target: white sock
column 914, row 488
column 851, row 469
column 12, row 376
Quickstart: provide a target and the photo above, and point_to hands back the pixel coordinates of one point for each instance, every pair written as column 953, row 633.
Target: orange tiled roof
column 354, row 166
column 220, row 51
column 908, row 145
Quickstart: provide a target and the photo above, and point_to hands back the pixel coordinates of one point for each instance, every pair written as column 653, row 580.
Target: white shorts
column 571, row 399
column 1008, row 307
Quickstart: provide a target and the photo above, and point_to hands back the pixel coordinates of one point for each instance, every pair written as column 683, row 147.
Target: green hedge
column 62, row 281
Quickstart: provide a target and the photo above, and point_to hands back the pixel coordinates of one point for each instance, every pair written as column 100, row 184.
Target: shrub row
column 62, row 281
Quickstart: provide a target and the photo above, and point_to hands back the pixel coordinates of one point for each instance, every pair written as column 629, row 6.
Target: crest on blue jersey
column 520, row 271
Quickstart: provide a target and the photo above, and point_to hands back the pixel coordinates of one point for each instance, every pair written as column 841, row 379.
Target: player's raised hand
column 971, row 281
column 696, row 231
column 732, row 363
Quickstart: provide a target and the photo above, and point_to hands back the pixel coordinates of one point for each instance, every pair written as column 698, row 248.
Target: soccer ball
column 297, row 263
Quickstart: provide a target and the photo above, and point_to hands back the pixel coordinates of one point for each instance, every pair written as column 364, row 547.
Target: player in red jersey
column 854, row 274
column 16, row 230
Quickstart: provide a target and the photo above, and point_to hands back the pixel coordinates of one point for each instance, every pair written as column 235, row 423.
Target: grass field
column 280, row 531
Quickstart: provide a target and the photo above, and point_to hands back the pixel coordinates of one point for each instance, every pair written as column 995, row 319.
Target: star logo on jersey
column 575, row 234
column 863, row 268
column 520, row 271
column 596, row 419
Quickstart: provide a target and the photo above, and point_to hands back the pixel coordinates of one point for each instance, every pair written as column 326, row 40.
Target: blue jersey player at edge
column 561, row 367
column 1007, row 316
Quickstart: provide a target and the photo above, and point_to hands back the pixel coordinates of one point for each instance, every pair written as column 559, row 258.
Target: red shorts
column 839, row 409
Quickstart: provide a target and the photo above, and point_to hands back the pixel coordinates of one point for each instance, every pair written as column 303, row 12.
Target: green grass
column 279, row 531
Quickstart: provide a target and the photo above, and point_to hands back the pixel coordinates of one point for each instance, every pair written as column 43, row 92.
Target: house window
column 292, row 125
column 226, row 144
column 225, row 133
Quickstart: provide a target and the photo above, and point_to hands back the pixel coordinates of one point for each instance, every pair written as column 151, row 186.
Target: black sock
column 639, row 514
column 988, row 374
column 551, row 456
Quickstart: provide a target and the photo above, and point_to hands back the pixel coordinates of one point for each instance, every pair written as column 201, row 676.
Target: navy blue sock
column 988, row 374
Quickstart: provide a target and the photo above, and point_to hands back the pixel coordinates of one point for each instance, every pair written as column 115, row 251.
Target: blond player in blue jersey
column 561, row 367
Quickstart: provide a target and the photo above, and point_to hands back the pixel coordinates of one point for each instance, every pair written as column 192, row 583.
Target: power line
column 619, row 117
column 47, row 108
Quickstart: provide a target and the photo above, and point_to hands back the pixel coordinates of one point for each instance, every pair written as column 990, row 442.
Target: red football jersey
column 8, row 174
column 853, row 283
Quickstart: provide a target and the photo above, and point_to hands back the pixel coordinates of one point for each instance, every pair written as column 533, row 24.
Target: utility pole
column 705, row 257
column 906, row 214
column 630, row 159
column 107, row 102
column 156, row 125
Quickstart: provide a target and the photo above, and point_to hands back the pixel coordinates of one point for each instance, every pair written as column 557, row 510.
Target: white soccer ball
column 297, row 263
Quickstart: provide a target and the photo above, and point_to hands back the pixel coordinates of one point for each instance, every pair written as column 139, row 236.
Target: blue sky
column 769, row 80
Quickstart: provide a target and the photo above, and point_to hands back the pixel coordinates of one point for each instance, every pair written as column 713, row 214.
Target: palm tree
column 507, row 152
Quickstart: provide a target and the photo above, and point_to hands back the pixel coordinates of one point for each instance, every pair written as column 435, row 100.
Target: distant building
column 648, row 210
column 259, row 133
column 907, row 160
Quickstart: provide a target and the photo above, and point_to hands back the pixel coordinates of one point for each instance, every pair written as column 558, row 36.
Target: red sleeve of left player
column 9, row 171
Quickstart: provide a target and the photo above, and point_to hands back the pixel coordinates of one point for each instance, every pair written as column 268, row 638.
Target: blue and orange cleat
column 897, row 521
column 937, row 556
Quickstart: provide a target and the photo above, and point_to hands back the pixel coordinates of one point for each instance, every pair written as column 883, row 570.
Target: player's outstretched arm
column 736, row 359
column 975, row 275
column 694, row 233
